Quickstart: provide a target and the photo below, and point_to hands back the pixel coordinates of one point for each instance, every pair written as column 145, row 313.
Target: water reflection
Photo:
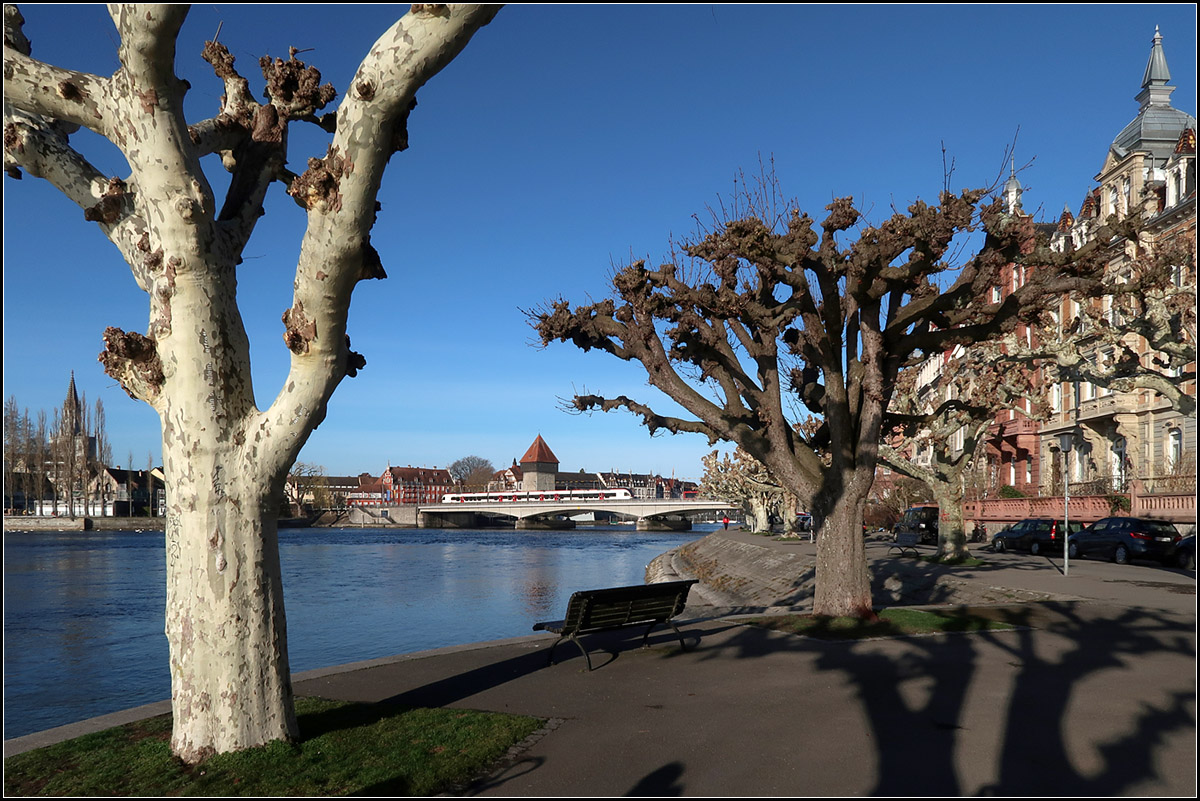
column 83, row 612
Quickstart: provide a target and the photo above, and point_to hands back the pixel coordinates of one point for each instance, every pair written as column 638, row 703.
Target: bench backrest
column 622, row 606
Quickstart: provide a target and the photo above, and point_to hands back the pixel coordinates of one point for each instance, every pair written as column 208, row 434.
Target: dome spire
column 1012, row 190
column 1155, row 91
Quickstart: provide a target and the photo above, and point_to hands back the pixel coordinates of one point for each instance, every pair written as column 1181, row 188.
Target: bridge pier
column 544, row 524
column 449, row 520
column 664, row 524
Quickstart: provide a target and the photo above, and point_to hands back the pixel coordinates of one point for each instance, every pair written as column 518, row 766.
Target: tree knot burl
column 108, row 210
column 298, row 329
column 318, row 187
column 294, row 86
column 132, row 359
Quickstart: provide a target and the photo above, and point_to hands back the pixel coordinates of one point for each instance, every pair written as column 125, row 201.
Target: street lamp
column 1065, row 441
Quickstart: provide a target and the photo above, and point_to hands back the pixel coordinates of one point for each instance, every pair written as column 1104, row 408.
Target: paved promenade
column 1093, row 694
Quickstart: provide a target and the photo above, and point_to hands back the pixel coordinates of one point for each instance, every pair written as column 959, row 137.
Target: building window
column 996, row 294
column 1174, row 449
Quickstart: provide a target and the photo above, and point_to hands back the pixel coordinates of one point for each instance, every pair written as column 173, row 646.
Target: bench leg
column 552, row 647
column 583, row 651
column 646, row 636
column 679, row 634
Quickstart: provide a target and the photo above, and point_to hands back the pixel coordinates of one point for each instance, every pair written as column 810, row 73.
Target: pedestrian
column 725, row 520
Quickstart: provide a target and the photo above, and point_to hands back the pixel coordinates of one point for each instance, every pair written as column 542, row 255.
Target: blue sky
column 563, row 141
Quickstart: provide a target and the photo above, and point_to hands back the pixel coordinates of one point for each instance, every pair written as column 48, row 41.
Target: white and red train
column 545, row 496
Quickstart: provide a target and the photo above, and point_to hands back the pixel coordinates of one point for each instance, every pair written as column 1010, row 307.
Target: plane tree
column 742, row 481
column 938, row 422
column 766, row 316
column 1140, row 334
column 225, row 460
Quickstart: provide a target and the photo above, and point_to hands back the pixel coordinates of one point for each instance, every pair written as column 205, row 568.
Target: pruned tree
column 225, row 459
column 742, row 481
column 766, row 314
column 935, row 426
column 1139, row 333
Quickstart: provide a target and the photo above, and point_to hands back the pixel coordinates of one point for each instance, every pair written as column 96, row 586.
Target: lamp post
column 1065, row 441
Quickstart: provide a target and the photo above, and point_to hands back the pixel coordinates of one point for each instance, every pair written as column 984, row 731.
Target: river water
column 83, row 612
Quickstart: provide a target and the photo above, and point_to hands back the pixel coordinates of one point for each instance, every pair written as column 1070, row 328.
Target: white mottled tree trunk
column 225, row 460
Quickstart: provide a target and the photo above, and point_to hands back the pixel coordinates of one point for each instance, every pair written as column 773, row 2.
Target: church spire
column 72, row 410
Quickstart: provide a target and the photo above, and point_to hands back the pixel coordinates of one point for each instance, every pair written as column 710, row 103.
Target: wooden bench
column 906, row 541
column 618, row 607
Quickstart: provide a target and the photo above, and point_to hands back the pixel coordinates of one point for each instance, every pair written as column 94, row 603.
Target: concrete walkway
column 1093, row 694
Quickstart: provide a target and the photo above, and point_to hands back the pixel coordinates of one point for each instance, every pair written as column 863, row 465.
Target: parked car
column 1034, row 534
column 1185, row 552
column 1124, row 538
column 922, row 520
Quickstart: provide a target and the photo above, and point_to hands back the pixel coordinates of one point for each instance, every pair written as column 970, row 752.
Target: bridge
column 658, row 514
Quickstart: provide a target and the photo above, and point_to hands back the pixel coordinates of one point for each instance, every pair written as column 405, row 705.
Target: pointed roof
column 72, row 407
column 1157, row 126
column 539, row 452
column 1066, row 220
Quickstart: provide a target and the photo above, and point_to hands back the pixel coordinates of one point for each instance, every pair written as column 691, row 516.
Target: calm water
column 83, row 612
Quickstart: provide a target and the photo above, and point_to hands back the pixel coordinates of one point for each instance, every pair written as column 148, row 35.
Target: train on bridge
column 544, row 496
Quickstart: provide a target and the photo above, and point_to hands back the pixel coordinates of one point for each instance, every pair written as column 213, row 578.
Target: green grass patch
column 891, row 623
column 345, row 749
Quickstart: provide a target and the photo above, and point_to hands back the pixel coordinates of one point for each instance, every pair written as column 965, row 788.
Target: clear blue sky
column 566, row 139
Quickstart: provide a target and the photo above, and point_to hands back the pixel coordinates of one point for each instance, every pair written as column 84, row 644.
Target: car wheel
column 1001, row 547
column 1186, row 560
column 1035, row 548
column 1073, row 551
column 1121, row 555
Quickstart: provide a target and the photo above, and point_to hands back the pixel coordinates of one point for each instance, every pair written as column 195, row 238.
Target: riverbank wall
column 31, row 523
column 738, row 570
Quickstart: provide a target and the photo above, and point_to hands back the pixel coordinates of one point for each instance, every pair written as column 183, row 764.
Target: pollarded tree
column 225, row 460
column 774, row 314
column 743, row 481
column 937, row 419
column 1140, row 335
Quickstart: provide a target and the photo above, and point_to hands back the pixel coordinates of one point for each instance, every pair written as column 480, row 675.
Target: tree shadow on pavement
column 1076, row 705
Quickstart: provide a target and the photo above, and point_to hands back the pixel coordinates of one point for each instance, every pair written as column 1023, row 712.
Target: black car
column 1124, row 538
column 1034, row 534
column 1185, row 552
column 921, row 520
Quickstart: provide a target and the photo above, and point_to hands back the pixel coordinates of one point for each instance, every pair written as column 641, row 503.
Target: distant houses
column 537, row 469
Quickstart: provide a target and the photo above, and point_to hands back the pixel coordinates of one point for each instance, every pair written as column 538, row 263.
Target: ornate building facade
column 1122, row 437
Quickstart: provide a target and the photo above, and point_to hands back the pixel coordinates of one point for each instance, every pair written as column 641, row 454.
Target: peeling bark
column 225, row 460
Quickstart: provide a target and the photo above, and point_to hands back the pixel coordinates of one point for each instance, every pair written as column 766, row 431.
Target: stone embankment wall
column 740, row 571
column 735, row 573
column 31, row 523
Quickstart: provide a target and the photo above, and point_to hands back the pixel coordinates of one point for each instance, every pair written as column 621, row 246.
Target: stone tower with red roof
column 539, row 467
